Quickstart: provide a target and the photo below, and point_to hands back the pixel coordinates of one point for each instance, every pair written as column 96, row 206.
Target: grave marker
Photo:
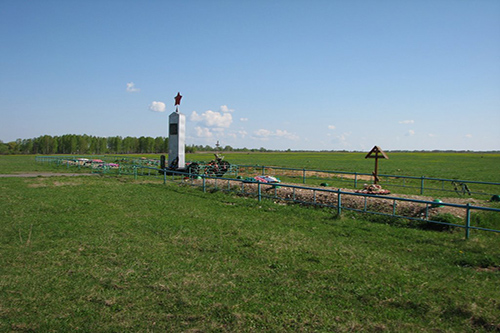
column 376, row 153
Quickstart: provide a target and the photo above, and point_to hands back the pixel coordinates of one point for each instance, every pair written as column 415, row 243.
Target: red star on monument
column 178, row 99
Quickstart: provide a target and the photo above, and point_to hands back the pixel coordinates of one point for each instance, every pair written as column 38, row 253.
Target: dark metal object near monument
column 216, row 167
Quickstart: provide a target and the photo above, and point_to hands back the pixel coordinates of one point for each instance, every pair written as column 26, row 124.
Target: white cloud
column 407, row 121
column 332, row 127
column 468, row 136
column 203, row 132
column 286, row 135
column 243, row 119
column 243, row 133
column 225, row 109
column 212, row 119
column 342, row 140
column 410, row 133
column 157, row 106
column 262, row 133
column 431, row 135
column 195, row 117
column 265, row 134
column 131, row 87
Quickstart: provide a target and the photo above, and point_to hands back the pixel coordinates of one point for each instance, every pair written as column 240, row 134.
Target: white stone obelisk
column 177, row 138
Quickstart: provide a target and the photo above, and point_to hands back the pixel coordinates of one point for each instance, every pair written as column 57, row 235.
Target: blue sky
column 316, row 75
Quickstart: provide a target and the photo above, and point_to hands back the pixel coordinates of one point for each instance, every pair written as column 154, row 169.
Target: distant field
column 465, row 166
column 115, row 254
column 452, row 166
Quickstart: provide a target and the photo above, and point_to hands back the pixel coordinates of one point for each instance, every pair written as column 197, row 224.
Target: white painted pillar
column 177, row 141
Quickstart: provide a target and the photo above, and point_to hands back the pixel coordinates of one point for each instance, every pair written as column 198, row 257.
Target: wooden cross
column 374, row 153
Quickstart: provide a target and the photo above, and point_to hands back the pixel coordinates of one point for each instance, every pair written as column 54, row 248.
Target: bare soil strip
column 46, row 174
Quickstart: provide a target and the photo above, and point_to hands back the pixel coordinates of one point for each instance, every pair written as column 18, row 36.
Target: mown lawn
column 114, row 254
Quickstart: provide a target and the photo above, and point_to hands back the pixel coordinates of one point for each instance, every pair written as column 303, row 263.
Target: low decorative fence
column 337, row 199
column 398, row 207
column 422, row 184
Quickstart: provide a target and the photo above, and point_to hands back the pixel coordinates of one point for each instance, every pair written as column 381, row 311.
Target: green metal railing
column 218, row 183
column 255, row 188
column 418, row 185
column 421, row 184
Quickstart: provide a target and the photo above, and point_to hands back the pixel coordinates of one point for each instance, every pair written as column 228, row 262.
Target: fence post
column 258, row 191
column 263, row 170
column 135, row 172
column 467, row 222
column 355, row 180
column 422, row 185
column 164, row 176
column 303, row 176
column 204, row 187
column 339, row 203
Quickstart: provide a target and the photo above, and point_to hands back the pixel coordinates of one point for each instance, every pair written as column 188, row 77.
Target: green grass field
column 114, row 254
column 465, row 166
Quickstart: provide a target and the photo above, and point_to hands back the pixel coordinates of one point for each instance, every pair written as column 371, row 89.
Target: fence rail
column 336, row 198
column 422, row 183
column 261, row 190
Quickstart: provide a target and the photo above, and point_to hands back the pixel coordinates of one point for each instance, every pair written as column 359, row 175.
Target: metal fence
column 418, row 185
column 422, row 184
column 339, row 200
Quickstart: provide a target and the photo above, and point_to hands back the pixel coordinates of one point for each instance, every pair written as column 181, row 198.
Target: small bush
column 444, row 218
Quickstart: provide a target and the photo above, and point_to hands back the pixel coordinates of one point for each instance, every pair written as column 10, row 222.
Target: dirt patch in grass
column 309, row 174
column 52, row 184
column 46, row 174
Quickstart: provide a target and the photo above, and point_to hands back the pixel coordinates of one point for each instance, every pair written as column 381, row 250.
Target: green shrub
column 444, row 218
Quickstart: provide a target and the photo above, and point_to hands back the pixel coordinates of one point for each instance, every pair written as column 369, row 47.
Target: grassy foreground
column 114, row 254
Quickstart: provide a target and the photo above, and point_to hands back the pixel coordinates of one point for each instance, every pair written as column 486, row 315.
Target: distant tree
column 102, row 146
column 4, row 148
column 115, row 144
column 146, row 145
column 191, row 149
column 150, row 145
column 83, row 144
column 159, row 144
column 27, row 146
column 13, row 147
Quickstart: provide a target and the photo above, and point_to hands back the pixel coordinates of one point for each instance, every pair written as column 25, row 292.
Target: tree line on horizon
column 73, row 144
